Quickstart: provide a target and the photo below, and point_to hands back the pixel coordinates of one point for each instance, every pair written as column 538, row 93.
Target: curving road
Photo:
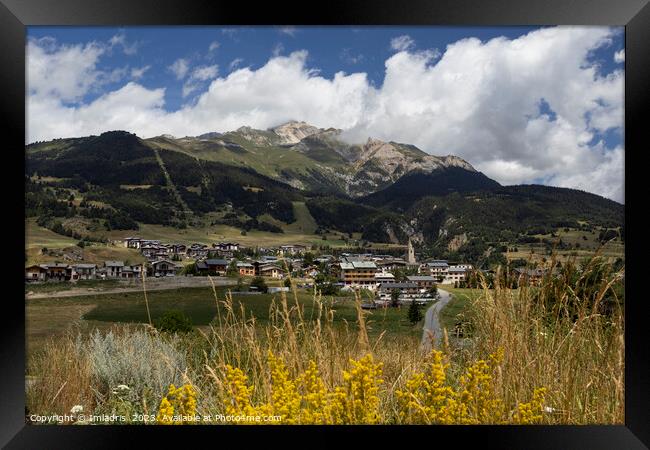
column 432, row 331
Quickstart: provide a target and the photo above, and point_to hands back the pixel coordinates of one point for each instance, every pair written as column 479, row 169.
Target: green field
column 461, row 299
column 102, row 310
column 36, row 236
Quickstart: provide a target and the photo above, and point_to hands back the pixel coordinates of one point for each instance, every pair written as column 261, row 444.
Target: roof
column 398, row 286
column 437, row 264
column 40, row 266
column 531, row 272
column 244, row 264
column 457, row 269
column 384, row 275
column 56, row 265
column 358, row 265
column 421, row 278
column 114, row 263
column 216, row 262
column 85, row 266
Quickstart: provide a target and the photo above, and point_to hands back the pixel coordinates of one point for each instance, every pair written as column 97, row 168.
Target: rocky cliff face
column 326, row 159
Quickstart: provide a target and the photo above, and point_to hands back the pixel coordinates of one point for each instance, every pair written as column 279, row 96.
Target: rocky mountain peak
column 293, row 131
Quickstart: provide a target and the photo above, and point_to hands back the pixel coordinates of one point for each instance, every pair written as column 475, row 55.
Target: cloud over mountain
column 521, row 110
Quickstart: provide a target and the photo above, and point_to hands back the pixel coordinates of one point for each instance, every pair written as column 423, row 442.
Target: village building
column 226, row 246
column 359, row 274
column 406, row 291
column 113, row 268
column 293, row 249
column 127, row 272
column 245, row 269
column 213, row 266
column 36, row 272
column 391, row 264
column 58, row 272
column 83, row 272
column 424, row 282
column 132, row 242
column 270, row 270
column 384, row 277
column 530, row 276
column 197, row 251
column 455, row 275
column 164, row 268
column 177, row 249
column 438, row 269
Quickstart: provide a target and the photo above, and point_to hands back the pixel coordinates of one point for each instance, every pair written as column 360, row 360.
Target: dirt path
column 152, row 284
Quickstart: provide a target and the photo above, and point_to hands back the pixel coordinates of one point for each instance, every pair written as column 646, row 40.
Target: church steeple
column 411, row 253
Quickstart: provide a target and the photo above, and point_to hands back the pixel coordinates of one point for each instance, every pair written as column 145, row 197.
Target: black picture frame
column 15, row 15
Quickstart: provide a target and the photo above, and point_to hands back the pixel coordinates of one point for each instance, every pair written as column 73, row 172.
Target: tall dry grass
column 556, row 335
column 565, row 334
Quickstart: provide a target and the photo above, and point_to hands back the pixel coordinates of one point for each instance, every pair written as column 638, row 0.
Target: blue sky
column 189, row 80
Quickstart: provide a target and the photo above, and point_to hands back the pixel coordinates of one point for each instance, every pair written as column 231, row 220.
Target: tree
column 174, row 322
column 394, row 298
column 287, row 282
column 232, row 270
column 433, row 290
column 414, row 314
column 260, row 284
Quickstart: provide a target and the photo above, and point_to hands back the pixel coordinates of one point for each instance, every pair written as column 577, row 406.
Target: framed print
column 381, row 218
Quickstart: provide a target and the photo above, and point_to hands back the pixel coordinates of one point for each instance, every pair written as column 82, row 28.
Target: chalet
column 294, row 249
column 149, row 251
column 245, row 269
column 212, row 266
column 406, row 291
column 113, row 268
column 530, row 276
column 226, row 246
column 197, row 251
column 137, row 270
column 133, row 242
column 270, row 270
column 164, row 268
column 438, row 269
column 424, row 282
column 384, row 277
column 127, row 272
column 178, row 249
column 83, row 272
column 391, row 263
column 58, row 272
column 358, row 274
column 455, row 274
column 36, row 272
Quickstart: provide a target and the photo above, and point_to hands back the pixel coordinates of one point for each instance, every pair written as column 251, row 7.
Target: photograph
column 325, row 225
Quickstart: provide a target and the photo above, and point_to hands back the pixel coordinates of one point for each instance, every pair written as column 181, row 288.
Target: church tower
column 411, row 254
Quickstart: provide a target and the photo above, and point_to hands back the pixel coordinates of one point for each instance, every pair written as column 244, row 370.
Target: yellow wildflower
column 531, row 412
column 178, row 407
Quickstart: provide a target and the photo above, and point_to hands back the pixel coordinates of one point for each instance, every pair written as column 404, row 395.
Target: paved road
column 153, row 284
column 432, row 331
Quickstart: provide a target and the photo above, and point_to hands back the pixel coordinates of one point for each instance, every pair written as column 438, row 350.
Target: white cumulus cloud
column 619, row 56
column 402, row 43
column 480, row 100
column 179, row 68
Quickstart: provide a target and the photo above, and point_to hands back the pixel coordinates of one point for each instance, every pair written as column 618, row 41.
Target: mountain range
column 388, row 191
